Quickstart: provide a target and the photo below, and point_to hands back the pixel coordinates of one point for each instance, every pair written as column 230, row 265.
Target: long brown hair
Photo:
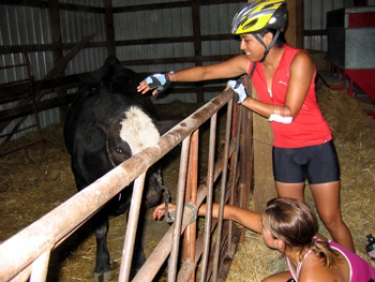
column 295, row 223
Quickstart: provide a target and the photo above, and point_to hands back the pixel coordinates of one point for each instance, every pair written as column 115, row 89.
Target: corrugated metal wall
column 19, row 26
column 315, row 18
column 177, row 22
column 30, row 25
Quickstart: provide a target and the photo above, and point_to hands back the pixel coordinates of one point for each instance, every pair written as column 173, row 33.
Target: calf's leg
column 102, row 267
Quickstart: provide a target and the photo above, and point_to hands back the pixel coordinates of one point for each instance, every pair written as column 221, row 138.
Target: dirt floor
column 28, row 190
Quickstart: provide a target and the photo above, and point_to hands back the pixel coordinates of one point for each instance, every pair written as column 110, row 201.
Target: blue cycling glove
column 240, row 93
column 158, row 81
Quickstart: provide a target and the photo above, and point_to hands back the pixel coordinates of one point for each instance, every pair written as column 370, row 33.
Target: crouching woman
column 290, row 226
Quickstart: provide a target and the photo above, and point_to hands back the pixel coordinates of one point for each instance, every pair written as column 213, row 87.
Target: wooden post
column 300, row 25
column 109, row 27
column 264, row 187
column 294, row 30
column 55, row 28
column 197, row 45
column 57, row 45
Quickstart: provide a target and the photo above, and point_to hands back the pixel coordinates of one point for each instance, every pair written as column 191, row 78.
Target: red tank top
column 309, row 127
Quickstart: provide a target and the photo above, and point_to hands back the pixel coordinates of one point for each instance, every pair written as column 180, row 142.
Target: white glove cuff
column 281, row 119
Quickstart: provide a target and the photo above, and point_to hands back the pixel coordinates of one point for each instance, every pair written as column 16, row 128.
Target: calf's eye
column 118, row 150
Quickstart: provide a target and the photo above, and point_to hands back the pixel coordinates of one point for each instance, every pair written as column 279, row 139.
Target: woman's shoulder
column 291, row 52
column 301, row 60
column 314, row 269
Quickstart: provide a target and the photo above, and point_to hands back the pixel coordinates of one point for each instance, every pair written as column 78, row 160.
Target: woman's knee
column 331, row 220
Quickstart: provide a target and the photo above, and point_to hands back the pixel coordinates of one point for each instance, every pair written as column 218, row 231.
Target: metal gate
column 206, row 255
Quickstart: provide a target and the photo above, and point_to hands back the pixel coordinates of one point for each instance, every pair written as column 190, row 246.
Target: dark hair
column 280, row 40
column 295, row 223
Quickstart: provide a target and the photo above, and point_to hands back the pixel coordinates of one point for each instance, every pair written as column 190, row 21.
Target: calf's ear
column 165, row 125
column 93, row 139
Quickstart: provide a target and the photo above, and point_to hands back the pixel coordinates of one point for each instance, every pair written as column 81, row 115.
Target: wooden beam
column 264, row 185
column 45, row 4
column 171, row 5
column 316, row 32
column 7, row 49
column 199, row 59
column 13, row 92
column 62, row 63
column 290, row 32
column 56, row 71
column 109, row 27
column 164, row 40
column 300, row 24
column 195, row 13
column 56, row 34
column 55, row 29
column 25, row 110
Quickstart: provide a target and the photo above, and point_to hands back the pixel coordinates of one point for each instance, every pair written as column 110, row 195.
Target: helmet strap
column 252, row 70
column 268, row 48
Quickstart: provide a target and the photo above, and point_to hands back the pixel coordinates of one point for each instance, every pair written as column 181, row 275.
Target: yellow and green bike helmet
column 258, row 15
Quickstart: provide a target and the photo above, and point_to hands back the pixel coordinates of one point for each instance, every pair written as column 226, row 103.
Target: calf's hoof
column 102, row 276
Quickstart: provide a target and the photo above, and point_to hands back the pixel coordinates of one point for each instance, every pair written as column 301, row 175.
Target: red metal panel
column 364, row 79
column 357, row 20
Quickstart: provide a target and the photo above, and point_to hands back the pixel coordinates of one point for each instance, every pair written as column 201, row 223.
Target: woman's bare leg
column 327, row 201
column 278, row 277
column 290, row 190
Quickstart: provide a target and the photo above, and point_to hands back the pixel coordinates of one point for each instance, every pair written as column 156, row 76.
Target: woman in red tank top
column 284, row 81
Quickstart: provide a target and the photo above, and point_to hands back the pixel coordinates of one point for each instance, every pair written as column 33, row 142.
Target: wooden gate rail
column 27, row 253
column 31, row 102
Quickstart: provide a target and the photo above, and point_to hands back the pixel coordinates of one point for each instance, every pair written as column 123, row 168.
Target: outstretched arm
column 231, row 68
column 249, row 219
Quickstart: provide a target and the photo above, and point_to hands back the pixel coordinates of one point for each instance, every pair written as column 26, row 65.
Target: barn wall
column 29, row 25
column 19, row 26
column 315, row 18
column 168, row 23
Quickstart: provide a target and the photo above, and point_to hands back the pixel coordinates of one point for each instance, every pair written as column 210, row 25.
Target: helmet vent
column 250, row 24
column 268, row 6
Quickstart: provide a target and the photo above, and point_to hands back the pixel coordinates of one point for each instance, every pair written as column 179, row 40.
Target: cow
column 108, row 122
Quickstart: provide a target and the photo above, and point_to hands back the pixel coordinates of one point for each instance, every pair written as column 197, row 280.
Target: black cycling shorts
column 319, row 164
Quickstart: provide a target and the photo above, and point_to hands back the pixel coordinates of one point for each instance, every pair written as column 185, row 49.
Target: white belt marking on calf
column 138, row 130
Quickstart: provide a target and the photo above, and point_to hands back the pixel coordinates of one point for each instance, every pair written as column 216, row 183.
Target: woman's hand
column 160, row 210
column 158, row 82
column 143, row 87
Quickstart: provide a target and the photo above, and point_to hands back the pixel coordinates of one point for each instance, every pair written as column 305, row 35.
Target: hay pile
column 30, row 190
column 353, row 133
